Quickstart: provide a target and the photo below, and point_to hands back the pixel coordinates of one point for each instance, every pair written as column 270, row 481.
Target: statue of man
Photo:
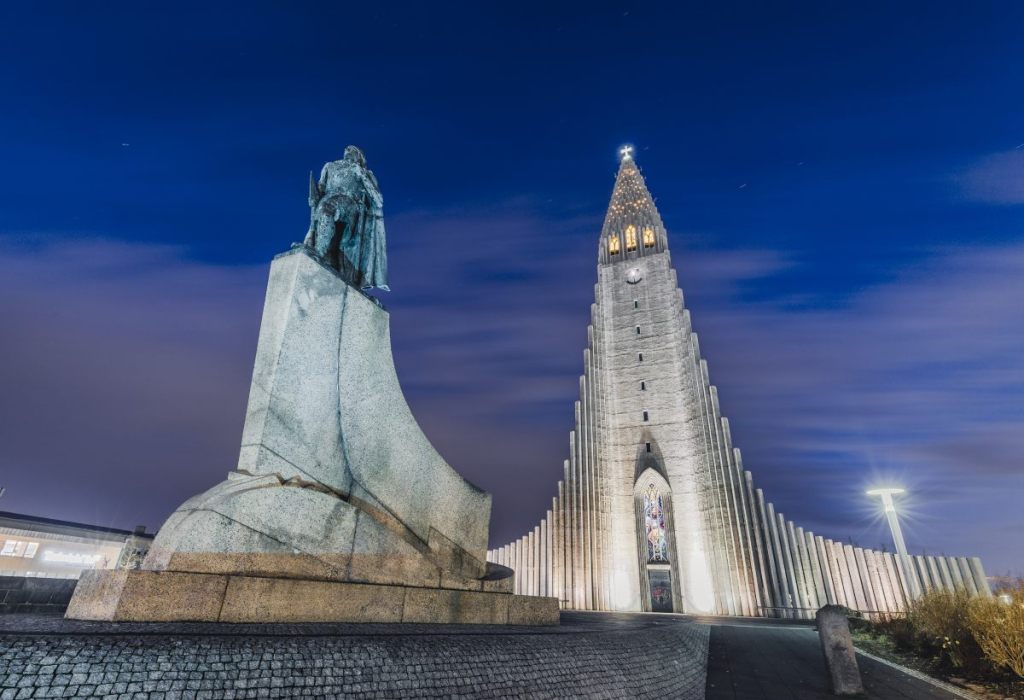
column 346, row 228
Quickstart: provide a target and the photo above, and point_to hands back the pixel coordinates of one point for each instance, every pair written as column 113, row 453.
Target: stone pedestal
column 165, row 596
column 340, row 508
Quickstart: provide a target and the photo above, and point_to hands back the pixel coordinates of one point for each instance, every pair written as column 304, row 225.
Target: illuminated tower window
column 648, row 238
column 654, row 520
column 613, row 245
column 631, row 237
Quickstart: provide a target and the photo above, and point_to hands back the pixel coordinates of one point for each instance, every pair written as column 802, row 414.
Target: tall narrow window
column 631, row 237
column 648, row 446
column 613, row 245
column 643, row 386
column 636, row 303
column 645, row 416
column 648, row 237
column 640, row 357
column 654, row 522
column 638, row 330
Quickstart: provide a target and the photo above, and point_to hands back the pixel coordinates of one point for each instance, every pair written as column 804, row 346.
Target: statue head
column 355, row 155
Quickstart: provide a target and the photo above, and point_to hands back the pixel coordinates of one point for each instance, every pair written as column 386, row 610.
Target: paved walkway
column 589, row 655
column 784, row 662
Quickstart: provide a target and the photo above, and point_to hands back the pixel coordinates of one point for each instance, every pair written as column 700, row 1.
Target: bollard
column 837, row 646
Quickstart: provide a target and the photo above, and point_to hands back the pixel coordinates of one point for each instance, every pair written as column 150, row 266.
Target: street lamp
column 897, row 534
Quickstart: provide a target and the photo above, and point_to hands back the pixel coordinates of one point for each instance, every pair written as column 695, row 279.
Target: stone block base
column 173, row 596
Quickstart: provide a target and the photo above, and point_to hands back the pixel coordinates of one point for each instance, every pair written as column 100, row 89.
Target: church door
column 661, row 589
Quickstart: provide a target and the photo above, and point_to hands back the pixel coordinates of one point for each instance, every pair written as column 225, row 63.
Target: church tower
column 655, row 511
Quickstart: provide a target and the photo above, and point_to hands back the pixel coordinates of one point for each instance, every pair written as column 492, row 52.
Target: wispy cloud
column 126, row 366
column 995, row 179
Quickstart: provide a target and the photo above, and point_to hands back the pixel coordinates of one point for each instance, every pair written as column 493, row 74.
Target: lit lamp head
column 886, row 495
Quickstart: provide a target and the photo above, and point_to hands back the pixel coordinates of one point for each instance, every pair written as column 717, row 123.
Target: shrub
column 998, row 629
column 940, row 624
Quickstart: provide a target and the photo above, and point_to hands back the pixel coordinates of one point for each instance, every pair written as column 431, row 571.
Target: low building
column 47, row 548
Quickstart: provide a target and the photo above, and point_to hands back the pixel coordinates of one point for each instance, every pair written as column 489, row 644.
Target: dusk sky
column 843, row 186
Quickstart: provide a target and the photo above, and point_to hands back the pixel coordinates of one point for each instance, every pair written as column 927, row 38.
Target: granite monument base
column 177, row 596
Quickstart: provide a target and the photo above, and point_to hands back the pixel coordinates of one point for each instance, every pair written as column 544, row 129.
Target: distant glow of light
column 887, row 493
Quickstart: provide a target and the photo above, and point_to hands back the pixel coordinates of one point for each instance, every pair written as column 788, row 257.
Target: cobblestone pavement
column 589, row 655
column 759, row 661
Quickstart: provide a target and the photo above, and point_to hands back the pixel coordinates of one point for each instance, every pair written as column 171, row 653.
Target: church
column 655, row 511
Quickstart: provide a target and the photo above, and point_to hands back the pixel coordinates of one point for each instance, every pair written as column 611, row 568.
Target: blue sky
column 843, row 186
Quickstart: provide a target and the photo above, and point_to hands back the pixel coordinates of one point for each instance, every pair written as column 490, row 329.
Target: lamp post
column 889, row 507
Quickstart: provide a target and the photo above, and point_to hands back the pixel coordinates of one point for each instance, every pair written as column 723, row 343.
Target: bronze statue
column 346, row 228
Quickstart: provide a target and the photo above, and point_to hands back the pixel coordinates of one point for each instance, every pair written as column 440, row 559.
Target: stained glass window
column 654, row 520
column 631, row 237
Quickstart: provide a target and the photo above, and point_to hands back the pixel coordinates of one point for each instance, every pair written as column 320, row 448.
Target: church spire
column 632, row 227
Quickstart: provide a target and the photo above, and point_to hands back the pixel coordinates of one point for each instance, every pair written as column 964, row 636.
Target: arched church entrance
column 659, row 580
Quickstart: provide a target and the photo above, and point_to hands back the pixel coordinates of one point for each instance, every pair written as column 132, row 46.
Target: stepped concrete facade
column 655, row 511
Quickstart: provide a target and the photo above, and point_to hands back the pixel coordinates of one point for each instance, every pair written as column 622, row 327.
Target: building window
column 638, row 330
column 19, row 548
column 613, row 245
column 640, row 357
column 648, row 237
column 645, row 416
column 636, row 304
column 643, row 386
column 648, row 446
column 654, row 521
column 631, row 237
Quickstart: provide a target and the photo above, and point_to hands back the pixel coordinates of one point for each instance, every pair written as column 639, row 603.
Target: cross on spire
column 626, row 152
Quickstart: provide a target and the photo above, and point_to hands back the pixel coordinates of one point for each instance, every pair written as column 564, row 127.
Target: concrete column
column 581, row 465
column 908, row 577
column 825, row 564
column 858, row 589
column 785, row 604
column 744, row 560
column 517, row 560
column 980, row 580
column 880, row 580
column 865, row 580
column 933, row 572
column 967, row 574
column 897, row 585
column 772, row 570
column 954, row 572
column 790, row 569
column 803, row 570
column 922, row 572
column 761, row 567
column 819, row 582
column 947, row 578
column 843, row 572
column 538, row 548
